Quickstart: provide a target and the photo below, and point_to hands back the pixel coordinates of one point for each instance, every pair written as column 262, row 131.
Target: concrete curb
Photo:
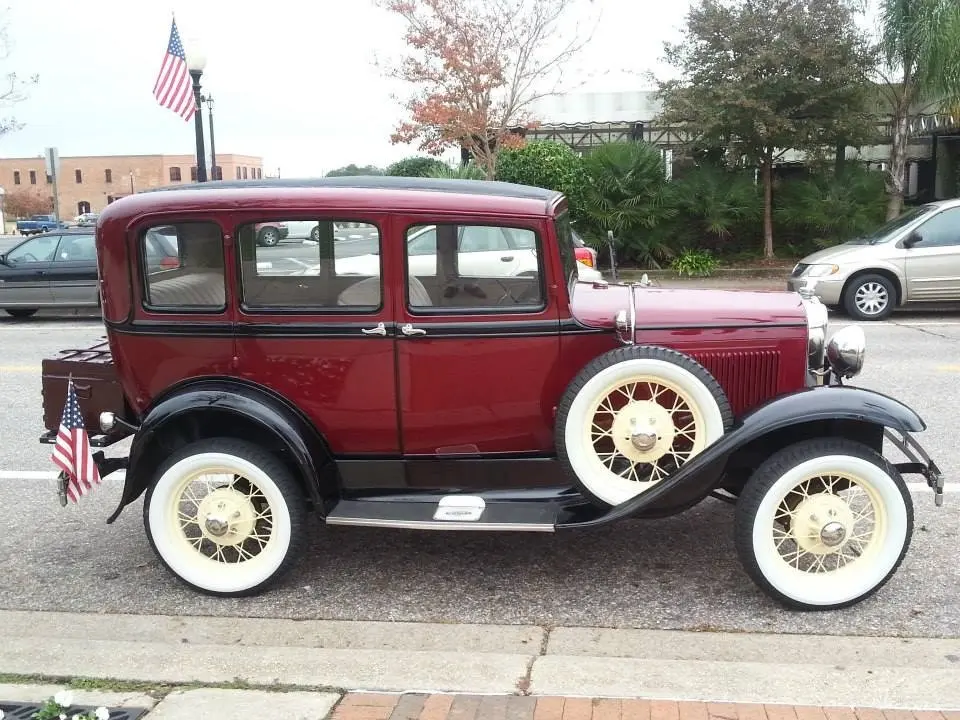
column 905, row 673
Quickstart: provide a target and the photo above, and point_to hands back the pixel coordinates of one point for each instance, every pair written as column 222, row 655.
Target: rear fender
column 797, row 410
column 201, row 408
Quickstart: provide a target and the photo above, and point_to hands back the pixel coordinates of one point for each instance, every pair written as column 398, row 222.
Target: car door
column 73, row 273
column 475, row 357
column 933, row 261
column 24, row 275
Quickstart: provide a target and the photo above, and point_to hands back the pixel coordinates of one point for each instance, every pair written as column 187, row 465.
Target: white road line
column 95, row 324
column 917, row 487
column 299, row 262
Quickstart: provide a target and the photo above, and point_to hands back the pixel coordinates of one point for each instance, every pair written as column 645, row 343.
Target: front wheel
column 269, row 237
column 823, row 524
column 869, row 297
column 225, row 516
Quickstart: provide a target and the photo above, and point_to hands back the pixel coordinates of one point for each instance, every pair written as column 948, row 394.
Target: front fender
column 833, row 402
column 215, row 401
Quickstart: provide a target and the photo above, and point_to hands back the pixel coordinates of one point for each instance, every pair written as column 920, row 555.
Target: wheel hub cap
column 822, row 523
column 643, row 431
column 226, row 516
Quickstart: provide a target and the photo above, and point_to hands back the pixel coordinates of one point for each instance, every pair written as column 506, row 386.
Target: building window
column 33, row 177
column 79, row 176
column 244, row 173
column 193, row 173
column 16, row 177
column 83, row 207
column 49, row 179
column 174, row 174
column 218, row 173
column 108, row 175
column 110, row 199
column 238, row 173
column 259, row 173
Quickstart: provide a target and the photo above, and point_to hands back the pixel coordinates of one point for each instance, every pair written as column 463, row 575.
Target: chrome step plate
column 451, row 512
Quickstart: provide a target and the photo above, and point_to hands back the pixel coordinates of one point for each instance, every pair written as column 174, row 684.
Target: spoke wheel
column 823, row 524
column 634, row 416
column 225, row 517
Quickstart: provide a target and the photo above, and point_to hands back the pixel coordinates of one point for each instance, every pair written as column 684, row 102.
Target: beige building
column 89, row 184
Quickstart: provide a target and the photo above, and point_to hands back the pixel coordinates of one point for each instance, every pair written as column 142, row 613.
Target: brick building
column 89, row 184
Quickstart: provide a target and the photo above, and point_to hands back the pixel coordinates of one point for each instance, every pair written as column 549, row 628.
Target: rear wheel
column 823, row 524
column 225, row 516
column 635, row 415
column 21, row 313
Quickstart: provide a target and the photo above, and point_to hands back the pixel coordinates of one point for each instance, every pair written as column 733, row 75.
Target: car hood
column 845, row 253
column 597, row 306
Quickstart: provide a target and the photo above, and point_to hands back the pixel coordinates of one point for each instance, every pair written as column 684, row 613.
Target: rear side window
column 307, row 265
column 183, row 267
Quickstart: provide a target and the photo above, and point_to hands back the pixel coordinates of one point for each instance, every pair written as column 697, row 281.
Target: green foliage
column 470, row 171
column 352, row 170
column 549, row 165
column 716, row 207
column 695, row 263
column 757, row 75
column 417, row 166
column 627, row 193
column 828, row 208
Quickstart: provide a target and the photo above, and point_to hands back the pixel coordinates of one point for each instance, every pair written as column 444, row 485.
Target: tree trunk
column 896, row 186
column 767, row 169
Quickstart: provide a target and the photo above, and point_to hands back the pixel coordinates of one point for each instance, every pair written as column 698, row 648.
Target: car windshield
column 892, row 227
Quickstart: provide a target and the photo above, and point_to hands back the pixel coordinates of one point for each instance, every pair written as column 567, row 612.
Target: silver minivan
column 912, row 259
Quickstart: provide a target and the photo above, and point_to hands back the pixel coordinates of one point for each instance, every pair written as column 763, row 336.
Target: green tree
column 352, row 170
column 627, row 193
column 921, row 46
column 762, row 76
column 549, row 165
column 418, row 166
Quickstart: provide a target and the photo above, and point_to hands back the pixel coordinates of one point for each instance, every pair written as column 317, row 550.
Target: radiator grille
column 749, row 378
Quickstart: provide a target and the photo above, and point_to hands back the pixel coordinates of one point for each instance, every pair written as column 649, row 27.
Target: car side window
column 486, row 268
column 77, row 248
column 193, row 281
column 39, row 249
column 942, row 230
column 310, row 265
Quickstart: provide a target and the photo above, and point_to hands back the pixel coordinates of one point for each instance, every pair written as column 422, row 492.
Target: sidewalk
column 221, row 704
column 355, row 670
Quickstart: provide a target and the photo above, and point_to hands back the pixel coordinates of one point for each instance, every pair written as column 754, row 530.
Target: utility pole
column 52, row 157
column 213, row 145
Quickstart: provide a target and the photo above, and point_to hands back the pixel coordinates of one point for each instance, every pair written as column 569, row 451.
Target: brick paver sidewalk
column 372, row 706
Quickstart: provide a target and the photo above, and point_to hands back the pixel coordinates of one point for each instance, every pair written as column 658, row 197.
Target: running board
column 451, row 512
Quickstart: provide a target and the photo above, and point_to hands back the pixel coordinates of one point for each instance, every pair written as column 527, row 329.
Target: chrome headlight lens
column 816, row 331
column 846, row 351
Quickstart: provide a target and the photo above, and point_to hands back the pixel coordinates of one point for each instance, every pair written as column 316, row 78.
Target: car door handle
column 506, row 258
column 409, row 329
column 380, row 329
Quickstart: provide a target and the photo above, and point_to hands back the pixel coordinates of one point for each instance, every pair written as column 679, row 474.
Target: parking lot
column 674, row 573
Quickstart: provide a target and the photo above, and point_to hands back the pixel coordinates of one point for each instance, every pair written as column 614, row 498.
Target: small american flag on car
column 71, row 451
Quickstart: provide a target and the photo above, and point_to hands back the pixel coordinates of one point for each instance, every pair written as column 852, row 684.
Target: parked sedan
column 59, row 270
column 910, row 260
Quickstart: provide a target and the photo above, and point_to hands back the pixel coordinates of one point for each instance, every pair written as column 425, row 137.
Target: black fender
column 216, row 399
column 830, row 403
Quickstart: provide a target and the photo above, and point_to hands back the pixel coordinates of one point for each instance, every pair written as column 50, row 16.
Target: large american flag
column 173, row 88
column 71, row 452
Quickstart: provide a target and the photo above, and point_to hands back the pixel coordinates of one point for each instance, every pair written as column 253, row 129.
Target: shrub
column 418, row 166
column 695, row 263
column 549, row 165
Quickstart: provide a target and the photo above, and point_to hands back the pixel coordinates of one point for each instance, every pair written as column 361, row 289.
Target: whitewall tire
column 225, row 516
column 823, row 524
column 633, row 416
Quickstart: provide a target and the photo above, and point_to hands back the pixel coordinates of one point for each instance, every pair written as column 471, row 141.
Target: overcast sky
column 293, row 81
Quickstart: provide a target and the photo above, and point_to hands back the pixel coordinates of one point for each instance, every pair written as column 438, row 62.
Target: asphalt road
column 677, row 573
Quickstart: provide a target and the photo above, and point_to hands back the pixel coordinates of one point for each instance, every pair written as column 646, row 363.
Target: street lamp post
column 196, row 62
column 213, row 146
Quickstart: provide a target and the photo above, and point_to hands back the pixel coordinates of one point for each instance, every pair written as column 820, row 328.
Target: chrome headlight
column 816, row 331
column 846, row 351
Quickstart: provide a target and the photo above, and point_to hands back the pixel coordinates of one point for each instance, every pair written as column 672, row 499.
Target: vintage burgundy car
column 454, row 388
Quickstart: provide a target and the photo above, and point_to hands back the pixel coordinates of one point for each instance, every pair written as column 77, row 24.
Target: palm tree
column 920, row 40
